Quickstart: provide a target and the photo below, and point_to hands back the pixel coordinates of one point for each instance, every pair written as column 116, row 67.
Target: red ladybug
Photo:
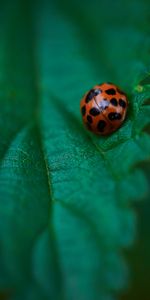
column 104, row 108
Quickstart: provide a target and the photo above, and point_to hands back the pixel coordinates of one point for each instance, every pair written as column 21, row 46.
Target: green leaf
column 66, row 208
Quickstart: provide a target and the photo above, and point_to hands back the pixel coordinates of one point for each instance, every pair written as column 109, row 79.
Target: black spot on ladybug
column 101, row 125
column 83, row 110
column 120, row 92
column 110, row 91
column 89, row 119
column 114, row 101
column 94, row 111
column 89, row 96
column 92, row 93
column 114, row 116
column 122, row 103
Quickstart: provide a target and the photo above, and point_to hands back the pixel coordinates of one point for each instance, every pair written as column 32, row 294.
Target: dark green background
column 71, row 223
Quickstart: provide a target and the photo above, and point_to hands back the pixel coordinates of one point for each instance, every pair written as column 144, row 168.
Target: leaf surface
column 66, row 195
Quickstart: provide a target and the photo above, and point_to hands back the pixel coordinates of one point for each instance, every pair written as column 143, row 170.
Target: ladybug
column 104, row 108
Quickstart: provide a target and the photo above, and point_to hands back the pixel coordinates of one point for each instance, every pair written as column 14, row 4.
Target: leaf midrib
column 37, row 121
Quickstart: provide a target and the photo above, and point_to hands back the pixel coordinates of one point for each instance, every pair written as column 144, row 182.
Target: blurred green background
column 72, row 223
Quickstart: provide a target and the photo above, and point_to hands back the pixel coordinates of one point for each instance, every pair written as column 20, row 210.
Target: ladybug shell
column 104, row 108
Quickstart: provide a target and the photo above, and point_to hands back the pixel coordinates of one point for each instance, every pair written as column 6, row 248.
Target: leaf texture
column 66, row 208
